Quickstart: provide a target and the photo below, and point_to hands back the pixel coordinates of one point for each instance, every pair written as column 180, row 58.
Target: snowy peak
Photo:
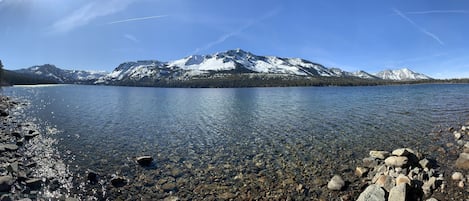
column 403, row 74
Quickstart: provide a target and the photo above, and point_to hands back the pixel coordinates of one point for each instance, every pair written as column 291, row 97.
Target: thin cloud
column 88, row 12
column 138, row 19
column 131, row 38
column 437, row 12
column 421, row 29
column 236, row 32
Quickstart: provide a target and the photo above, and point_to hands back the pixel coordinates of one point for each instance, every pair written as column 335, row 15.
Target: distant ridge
column 232, row 68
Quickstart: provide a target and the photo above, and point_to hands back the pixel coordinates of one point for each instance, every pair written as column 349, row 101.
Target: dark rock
column 30, row 135
column 118, row 182
column 34, row 184
column 6, row 197
column 5, row 183
column 16, row 134
column 144, row 160
column 13, row 167
column 4, row 113
column 92, row 177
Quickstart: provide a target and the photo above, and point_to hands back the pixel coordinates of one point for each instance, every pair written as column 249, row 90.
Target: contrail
column 138, row 18
column 421, row 29
column 436, row 12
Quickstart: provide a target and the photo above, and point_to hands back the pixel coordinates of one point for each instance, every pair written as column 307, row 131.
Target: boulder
column 336, row 183
column 463, row 161
column 372, row 193
column 404, row 152
column 398, row 193
column 385, row 181
column 34, row 184
column 396, row 161
column 379, row 154
column 144, row 160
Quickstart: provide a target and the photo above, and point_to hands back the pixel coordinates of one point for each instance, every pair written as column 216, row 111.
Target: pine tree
column 1, row 73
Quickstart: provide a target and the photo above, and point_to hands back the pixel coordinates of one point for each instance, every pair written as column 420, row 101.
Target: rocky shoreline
column 31, row 169
column 406, row 174
column 30, row 166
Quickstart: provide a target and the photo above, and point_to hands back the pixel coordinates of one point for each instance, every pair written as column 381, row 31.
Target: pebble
column 457, row 135
column 461, row 184
column 336, row 183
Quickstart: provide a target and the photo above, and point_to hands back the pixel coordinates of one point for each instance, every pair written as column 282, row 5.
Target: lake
column 235, row 142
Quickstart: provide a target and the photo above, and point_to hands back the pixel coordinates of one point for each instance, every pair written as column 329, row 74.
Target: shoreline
column 37, row 156
column 30, row 166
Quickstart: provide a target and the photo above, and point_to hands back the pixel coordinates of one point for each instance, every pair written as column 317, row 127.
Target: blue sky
column 428, row 36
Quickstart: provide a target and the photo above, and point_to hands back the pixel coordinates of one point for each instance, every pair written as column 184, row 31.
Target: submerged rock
column 5, row 183
column 463, row 161
column 145, row 160
column 336, row 183
column 118, row 181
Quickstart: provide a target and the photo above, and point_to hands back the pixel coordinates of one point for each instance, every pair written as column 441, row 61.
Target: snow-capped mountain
column 51, row 72
column 230, row 62
column 403, row 74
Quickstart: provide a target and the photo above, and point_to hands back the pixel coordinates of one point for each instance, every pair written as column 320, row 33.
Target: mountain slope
column 403, row 74
column 51, row 72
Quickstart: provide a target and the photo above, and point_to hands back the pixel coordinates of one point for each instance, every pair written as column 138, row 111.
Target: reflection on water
column 254, row 142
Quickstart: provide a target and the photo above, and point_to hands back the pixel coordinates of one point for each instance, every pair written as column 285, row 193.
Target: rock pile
column 403, row 174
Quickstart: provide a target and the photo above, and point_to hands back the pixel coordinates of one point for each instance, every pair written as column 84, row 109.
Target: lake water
column 243, row 143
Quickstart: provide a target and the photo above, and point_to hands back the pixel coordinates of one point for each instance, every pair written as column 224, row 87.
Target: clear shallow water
column 212, row 141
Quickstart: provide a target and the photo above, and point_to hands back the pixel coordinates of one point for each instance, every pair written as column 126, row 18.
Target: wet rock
column 144, row 160
column 398, row 193
column 396, row 161
column 379, row 154
column 8, row 147
column 118, row 181
column 34, row 184
column 3, row 113
column 361, row 171
column 13, row 167
column 5, row 183
column 457, row 176
column 6, row 197
column 463, row 161
column 457, row 135
column 336, row 183
column 372, row 193
column 169, row 186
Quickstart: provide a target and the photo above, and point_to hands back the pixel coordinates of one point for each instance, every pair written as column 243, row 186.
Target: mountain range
column 233, row 65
